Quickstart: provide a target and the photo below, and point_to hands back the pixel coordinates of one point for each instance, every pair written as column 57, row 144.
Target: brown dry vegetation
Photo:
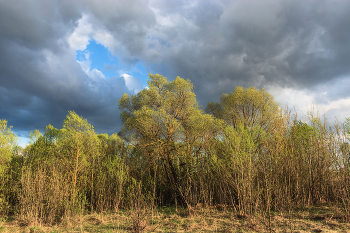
column 262, row 168
column 323, row 218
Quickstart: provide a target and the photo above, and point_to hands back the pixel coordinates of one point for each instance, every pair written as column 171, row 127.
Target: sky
column 57, row 56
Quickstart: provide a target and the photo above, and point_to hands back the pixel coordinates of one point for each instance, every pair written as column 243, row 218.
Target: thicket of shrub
column 246, row 153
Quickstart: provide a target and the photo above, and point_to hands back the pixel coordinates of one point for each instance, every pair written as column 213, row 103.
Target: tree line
column 245, row 153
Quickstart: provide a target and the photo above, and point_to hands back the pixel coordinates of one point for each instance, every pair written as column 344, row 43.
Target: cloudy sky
column 80, row 55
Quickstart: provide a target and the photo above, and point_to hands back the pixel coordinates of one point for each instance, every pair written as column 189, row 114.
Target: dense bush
column 245, row 153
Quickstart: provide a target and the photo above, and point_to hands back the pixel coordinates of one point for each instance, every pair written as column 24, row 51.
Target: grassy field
column 325, row 218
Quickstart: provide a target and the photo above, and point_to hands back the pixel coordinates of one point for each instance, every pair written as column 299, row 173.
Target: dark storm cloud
column 128, row 23
column 296, row 44
column 40, row 80
column 217, row 44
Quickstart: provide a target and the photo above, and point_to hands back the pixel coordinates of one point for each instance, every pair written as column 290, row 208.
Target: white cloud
column 106, row 39
column 132, row 83
column 85, row 65
column 89, row 28
column 291, row 98
column 81, row 35
column 303, row 101
column 94, row 74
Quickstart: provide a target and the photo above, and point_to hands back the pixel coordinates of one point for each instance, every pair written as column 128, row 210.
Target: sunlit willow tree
column 111, row 173
column 8, row 145
column 171, row 136
column 251, row 118
column 247, row 154
column 70, row 170
column 44, row 194
column 79, row 153
column 343, row 179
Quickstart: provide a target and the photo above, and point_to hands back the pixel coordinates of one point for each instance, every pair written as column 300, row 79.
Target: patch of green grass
column 176, row 221
column 35, row 230
column 167, row 210
column 10, row 218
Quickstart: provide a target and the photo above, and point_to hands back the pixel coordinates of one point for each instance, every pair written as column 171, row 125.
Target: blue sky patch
column 103, row 60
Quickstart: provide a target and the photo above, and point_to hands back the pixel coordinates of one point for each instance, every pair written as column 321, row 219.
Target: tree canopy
column 244, row 153
column 249, row 107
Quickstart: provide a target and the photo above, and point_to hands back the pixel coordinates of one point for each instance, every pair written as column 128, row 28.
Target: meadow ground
column 322, row 218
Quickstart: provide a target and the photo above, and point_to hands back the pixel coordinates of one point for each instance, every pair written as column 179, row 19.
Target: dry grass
column 324, row 218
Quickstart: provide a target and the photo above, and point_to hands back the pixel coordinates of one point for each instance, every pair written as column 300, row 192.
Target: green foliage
column 72, row 170
column 43, row 148
column 110, row 172
column 78, row 152
column 247, row 154
column 34, row 136
column 8, row 141
column 8, row 147
column 248, row 107
column 166, row 124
